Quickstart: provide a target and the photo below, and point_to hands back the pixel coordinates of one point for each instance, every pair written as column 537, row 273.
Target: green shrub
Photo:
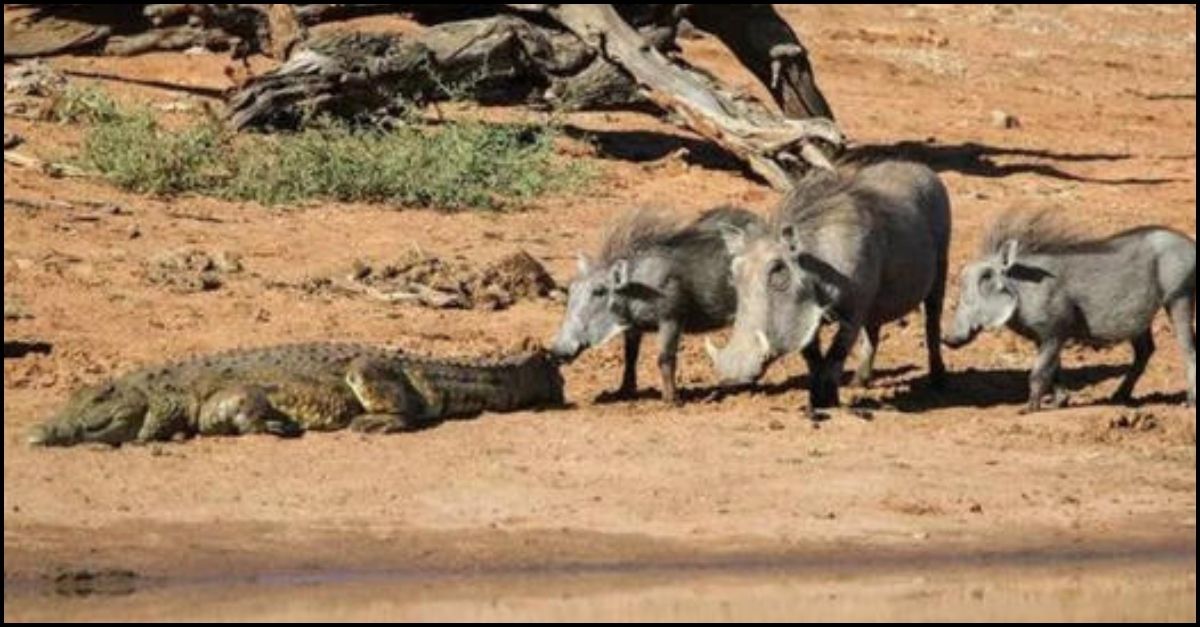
column 457, row 165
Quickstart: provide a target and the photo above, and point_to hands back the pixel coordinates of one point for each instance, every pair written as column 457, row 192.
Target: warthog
column 653, row 274
column 1052, row 286
column 862, row 247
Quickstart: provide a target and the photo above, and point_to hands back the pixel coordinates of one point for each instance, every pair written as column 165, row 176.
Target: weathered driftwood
column 134, row 29
column 772, row 144
column 575, row 56
column 497, row 58
column 54, row 170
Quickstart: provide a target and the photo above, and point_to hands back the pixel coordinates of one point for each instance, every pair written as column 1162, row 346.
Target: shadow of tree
column 650, row 146
column 975, row 159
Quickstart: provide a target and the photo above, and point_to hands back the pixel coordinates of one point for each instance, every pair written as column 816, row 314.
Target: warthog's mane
column 637, row 231
column 822, row 198
column 1041, row 232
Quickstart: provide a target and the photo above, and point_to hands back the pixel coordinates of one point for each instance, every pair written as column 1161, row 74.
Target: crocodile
column 290, row 389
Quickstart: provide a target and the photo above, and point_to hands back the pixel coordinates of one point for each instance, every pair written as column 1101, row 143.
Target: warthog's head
column 988, row 296
column 106, row 413
column 781, row 303
column 591, row 318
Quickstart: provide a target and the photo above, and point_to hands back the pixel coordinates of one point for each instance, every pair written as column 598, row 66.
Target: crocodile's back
column 297, row 387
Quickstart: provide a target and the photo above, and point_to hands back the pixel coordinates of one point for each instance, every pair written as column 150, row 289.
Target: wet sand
column 1142, row 584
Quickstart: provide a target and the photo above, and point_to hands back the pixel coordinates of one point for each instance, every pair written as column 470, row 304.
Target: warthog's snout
column 957, row 339
column 562, row 352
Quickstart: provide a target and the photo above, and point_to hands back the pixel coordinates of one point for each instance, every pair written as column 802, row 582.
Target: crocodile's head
column 542, row 375
column 107, row 413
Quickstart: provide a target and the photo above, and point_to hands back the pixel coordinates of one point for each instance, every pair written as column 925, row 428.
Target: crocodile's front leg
column 391, row 398
column 166, row 418
column 244, row 409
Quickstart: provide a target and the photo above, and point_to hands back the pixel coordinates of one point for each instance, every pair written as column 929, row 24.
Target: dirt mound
column 189, row 270
column 432, row 281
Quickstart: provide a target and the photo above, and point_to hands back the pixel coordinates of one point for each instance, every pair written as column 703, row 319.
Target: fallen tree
column 579, row 56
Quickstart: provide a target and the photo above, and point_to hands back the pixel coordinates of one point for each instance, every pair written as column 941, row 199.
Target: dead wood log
column 773, row 146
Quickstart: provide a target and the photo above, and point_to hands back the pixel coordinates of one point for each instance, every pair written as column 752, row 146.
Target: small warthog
column 1052, row 286
column 653, row 274
column 862, row 247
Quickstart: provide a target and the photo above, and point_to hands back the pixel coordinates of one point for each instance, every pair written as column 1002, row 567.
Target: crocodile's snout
column 38, row 436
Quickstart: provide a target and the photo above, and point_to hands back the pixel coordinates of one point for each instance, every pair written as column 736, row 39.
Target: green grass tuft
column 459, row 165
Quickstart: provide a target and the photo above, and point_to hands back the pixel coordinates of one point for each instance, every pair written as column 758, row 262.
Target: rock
column 33, row 78
column 15, row 309
column 1005, row 120
column 192, row 270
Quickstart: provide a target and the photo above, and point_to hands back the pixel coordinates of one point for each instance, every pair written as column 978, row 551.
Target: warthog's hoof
column 621, row 395
column 861, row 381
column 817, row 416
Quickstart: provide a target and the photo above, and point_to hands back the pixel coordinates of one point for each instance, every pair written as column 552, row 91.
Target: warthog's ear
column 789, row 236
column 1008, row 254
column 619, row 275
column 583, row 264
column 624, row 285
column 735, row 240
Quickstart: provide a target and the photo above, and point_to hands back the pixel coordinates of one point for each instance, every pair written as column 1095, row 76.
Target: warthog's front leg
column 1045, row 373
column 829, row 381
column 629, row 378
column 669, row 333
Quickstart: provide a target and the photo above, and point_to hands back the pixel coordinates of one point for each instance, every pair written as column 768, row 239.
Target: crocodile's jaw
column 107, row 414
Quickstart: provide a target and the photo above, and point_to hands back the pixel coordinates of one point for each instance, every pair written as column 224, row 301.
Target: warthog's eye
column 600, row 292
column 779, row 276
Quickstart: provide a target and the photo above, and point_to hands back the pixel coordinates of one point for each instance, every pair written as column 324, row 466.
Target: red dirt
column 1105, row 98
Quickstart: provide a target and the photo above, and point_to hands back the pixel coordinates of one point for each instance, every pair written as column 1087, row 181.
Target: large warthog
column 861, row 248
column 653, row 274
column 1053, row 286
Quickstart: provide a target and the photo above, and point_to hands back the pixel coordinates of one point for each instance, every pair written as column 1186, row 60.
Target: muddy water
column 1150, row 587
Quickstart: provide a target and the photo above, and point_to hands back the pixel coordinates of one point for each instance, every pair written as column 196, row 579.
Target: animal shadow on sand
column 986, row 389
column 717, row 393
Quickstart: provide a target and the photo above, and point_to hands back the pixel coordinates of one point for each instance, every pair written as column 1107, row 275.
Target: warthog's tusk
column 711, row 348
column 763, row 342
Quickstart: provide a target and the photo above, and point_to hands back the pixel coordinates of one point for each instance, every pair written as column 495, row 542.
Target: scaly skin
column 286, row 390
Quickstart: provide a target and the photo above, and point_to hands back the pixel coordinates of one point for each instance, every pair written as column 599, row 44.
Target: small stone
column 776, row 425
column 1004, row 120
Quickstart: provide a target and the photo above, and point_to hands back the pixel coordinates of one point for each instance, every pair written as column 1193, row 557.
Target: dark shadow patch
column 975, row 159
column 986, row 389
column 20, row 349
column 648, row 146
column 111, row 582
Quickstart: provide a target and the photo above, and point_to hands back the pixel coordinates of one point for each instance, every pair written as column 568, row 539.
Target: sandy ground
column 1105, row 97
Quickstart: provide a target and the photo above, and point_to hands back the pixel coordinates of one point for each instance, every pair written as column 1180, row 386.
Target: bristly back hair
column 635, row 231
column 1037, row 232
column 821, row 196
